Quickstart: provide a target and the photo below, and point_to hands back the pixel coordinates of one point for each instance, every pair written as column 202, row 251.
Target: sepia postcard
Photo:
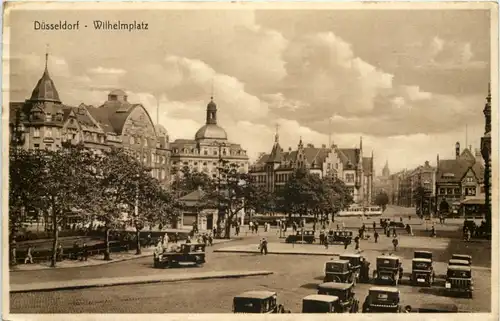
column 189, row 161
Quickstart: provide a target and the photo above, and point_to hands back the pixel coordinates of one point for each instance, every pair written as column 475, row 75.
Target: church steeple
column 276, row 153
column 385, row 171
column 45, row 90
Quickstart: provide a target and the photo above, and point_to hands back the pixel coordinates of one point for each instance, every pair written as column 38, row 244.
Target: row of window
column 214, row 152
column 468, row 191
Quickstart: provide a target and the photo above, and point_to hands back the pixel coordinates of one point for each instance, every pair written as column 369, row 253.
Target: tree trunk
column 227, row 232
column 107, row 254
column 138, row 251
column 55, row 235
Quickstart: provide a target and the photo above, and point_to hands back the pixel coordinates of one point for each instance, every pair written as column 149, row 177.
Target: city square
column 328, row 179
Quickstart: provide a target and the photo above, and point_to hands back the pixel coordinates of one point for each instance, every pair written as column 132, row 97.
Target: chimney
column 479, row 157
column 457, row 150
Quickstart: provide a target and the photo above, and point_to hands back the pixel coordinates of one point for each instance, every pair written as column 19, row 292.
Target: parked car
column 462, row 257
column 344, row 292
column 382, row 300
column 188, row 253
column 422, row 255
column 257, row 302
column 339, row 271
column 388, row 269
column 355, row 263
column 340, row 237
column 320, row 303
column 459, row 280
column 301, row 236
column 422, row 272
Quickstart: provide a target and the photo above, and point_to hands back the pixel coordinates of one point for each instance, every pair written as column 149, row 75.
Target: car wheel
column 470, row 295
column 336, row 279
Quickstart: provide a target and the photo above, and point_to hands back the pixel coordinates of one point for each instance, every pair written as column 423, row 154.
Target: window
column 470, row 191
column 442, row 191
column 349, row 178
column 36, row 132
column 48, row 146
column 49, row 117
column 205, row 152
column 215, row 152
column 57, row 132
column 449, row 191
column 457, row 191
column 132, row 140
column 469, row 179
column 48, row 132
column 36, row 146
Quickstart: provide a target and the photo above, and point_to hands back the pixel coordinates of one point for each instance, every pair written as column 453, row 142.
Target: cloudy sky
column 408, row 81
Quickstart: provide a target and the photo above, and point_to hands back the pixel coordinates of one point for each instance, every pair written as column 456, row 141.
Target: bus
column 356, row 210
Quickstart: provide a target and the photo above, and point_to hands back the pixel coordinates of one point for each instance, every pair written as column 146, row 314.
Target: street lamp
column 221, row 161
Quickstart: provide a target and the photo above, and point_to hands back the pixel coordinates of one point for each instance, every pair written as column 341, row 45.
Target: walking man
column 263, row 246
column 395, row 243
column 356, row 241
column 346, row 243
column 375, row 236
column 374, row 225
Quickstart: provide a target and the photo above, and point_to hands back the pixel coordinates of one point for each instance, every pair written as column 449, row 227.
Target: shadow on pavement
column 310, row 286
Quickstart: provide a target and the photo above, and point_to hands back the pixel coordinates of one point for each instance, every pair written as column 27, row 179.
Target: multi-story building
column 458, row 179
column 45, row 122
column 205, row 153
column 273, row 170
column 209, row 146
column 486, row 153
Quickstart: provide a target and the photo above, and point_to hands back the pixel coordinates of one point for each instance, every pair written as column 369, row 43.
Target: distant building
column 458, row 180
column 209, row 146
column 45, row 122
column 273, row 170
column 383, row 182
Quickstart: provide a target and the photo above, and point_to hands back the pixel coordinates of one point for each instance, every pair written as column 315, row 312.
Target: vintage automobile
column 340, row 237
column 339, row 271
column 458, row 262
column 301, row 236
column 188, row 253
column 422, row 272
column 388, row 270
column 355, row 262
column 462, row 257
column 382, row 300
column 437, row 308
column 459, row 280
column 320, row 303
column 257, row 302
column 422, row 255
column 344, row 292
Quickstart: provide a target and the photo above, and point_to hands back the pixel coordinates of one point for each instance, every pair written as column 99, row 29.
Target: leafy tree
column 190, row 180
column 114, row 186
column 382, row 199
column 335, row 196
column 301, row 193
column 65, row 182
column 233, row 192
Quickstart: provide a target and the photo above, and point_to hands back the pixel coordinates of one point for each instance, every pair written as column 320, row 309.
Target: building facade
column 383, row 182
column 209, row 146
column 486, row 154
column 273, row 170
column 458, row 179
column 45, row 122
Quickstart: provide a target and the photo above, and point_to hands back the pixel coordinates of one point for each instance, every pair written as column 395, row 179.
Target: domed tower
column 211, row 130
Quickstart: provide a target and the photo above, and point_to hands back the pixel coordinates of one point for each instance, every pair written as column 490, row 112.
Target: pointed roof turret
column 276, row 155
column 45, row 90
column 385, row 171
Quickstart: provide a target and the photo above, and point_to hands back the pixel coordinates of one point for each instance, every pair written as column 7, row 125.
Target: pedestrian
column 394, row 234
column 75, row 252
column 256, row 224
column 205, row 239
column 401, row 219
column 375, row 236
column 214, row 231
column 59, row 253
column 263, row 246
column 85, row 252
column 13, row 251
column 210, row 240
column 237, row 229
column 338, row 227
column 346, row 243
column 374, row 225
column 149, row 240
column 250, row 226
column 322, row 237
column 395, row 243
column 356, row 242
column 29, row 255
column 433, row 231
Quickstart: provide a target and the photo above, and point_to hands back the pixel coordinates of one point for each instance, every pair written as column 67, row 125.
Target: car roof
column 193, row 243
column 350, row 255
column 457, row 262
column 462, row 255
column 337, row 261
column 422, row 260
column 336, row 286
column 390, row 257
column 321, row 297
column 384, row 289
column 426, row 252
column 459, row 267
column 256, row 294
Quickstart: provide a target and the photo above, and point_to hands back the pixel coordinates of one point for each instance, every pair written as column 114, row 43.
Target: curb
column 106, row 262
column 43, row 287
column 280, row 253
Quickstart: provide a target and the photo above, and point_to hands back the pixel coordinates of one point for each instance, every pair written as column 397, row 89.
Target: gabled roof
column 275, row 155
column 112, row 115
column 453, row 170
column 350, row 156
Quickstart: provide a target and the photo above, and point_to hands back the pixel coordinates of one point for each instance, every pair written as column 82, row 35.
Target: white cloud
column 106, row 71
